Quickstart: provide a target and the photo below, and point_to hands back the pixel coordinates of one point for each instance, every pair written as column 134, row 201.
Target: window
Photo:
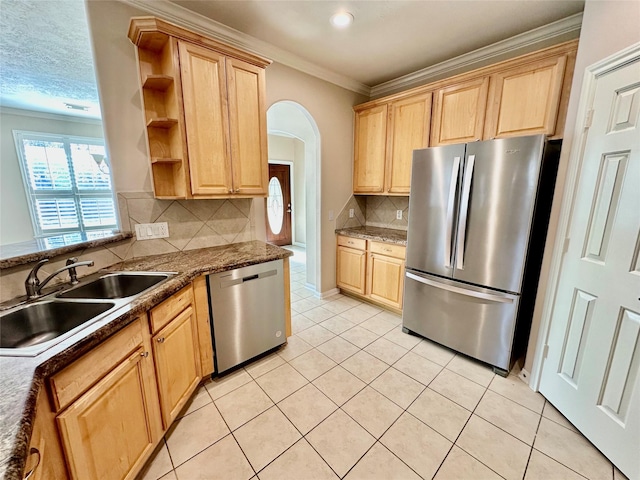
column 68, row 185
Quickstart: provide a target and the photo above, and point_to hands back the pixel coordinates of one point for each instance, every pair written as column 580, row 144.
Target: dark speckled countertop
column 21, row 378
column 389, row 235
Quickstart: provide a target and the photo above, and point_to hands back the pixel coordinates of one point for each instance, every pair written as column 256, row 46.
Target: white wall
column 330, row 106
column 607, row 27
column 15, row 219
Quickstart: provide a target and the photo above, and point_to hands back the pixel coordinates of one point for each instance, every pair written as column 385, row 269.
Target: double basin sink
column 29, row 329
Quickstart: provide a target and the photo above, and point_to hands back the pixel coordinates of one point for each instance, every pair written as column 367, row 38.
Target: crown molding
column 48, row 115
column 218, row 31
column 546, row 33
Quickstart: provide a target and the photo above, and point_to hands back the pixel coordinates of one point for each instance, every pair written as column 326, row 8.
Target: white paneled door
column 591, row 373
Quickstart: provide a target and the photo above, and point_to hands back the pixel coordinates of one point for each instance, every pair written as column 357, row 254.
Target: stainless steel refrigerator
column 478, row 215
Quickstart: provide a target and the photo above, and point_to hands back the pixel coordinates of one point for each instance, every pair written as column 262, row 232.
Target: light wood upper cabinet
column 526, row 95
column 204, row 91
column 110, row 431
column 459, row 111
column 205, row 109
column 385, row 137
column 370, row 150
column 525, row 100
column 410, row 120
column 248, row 129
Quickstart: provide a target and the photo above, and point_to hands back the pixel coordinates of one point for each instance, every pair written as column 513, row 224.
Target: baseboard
column 299, row 244
column 327, row 294
column 524, row 375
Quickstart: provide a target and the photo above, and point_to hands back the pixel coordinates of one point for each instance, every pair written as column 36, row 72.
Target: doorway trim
column 313, row 167
column 576, row 156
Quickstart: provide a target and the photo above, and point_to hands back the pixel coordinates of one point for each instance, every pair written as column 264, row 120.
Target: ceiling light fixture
column 341, row 19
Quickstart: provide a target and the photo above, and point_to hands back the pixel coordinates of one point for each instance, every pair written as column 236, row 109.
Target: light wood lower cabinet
column 176, row 354
column 110, row 431
column 386, row 279
column 371, row 270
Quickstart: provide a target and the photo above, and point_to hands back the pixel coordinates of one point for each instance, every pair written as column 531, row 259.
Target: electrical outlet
column 398, row 214
column 330, row 215
column 147, row 231
column 352, row 212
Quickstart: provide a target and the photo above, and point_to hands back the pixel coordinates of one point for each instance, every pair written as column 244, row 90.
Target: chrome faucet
column 34, row 286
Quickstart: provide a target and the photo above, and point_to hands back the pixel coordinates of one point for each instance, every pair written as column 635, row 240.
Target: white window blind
column 68, row 190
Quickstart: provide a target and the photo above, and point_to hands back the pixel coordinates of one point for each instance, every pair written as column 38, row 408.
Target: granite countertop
column 21, row 378
column 16, row 254
column 388, row 235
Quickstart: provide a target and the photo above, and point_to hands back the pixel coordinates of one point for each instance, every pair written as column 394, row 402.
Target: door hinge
column 545, row 351
column 588, row 119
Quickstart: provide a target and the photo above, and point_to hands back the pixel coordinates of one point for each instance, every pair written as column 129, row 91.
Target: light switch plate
column 398, row 214
column 352, row 212
column 330, row 215
column 148, row 231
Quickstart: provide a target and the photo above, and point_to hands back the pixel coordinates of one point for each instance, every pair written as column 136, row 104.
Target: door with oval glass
column 279, row 205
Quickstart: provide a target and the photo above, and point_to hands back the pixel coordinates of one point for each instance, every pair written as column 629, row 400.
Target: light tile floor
column 351, row 396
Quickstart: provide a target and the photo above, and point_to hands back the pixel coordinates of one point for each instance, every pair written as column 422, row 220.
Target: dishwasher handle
column 229, row 282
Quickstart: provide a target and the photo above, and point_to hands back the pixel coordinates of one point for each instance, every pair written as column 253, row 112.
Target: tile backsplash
column 375, row 211
column 192, row 224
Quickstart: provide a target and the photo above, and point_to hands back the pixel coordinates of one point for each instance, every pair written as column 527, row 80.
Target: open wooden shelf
column 162, row 122
column 165, row 160
column 157, row 82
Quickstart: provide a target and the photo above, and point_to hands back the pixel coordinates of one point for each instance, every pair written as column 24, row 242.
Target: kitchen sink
column 42, row 322
column 115, row 286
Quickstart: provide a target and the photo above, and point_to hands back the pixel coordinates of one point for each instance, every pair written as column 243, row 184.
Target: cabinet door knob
column 231, row 190
column 161, row 340
column 237, row 190
column 33, row 451
column 144, row 354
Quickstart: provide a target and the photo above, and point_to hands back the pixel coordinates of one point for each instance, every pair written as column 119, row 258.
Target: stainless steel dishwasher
column 247, row 312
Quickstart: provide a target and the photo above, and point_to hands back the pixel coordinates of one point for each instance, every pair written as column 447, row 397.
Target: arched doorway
column 291, row 120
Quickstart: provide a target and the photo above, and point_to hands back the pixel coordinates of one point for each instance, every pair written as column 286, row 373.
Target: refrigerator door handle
column 450, row 205
column 463, row 291
column 464, row 210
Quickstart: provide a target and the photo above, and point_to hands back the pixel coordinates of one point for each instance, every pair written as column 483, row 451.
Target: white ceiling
column 46, row 56
column 387, row 39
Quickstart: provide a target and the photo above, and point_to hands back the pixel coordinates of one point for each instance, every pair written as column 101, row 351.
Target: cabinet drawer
column 389, row 249
column 351, row 242
column 74, row 380
column 172, row 306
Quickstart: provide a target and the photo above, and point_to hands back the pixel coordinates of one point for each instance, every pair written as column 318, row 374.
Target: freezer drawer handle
column 464, row 210
column 461, row 291
column 450, row 205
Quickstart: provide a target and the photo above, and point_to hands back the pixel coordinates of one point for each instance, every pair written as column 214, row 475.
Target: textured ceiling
column 387, row 38
column 46, row 57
